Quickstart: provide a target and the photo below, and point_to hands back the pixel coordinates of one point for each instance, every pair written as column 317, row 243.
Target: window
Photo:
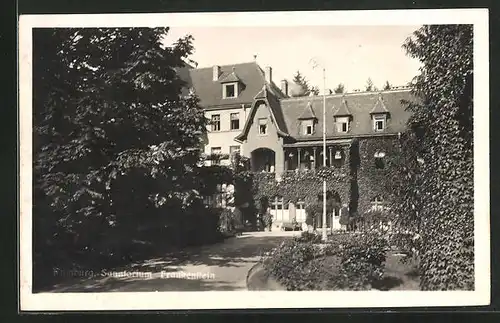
column 216, row 151
column 263, row 126
column 309, row 129
column 377, row 204
column 229, row 91
column 216, row 122
column 343, row 124
column 379, row 123
column 234, row 149
column 379, row 159
column 235, row 121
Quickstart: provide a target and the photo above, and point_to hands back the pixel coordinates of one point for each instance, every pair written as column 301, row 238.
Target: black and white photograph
column 254, row 160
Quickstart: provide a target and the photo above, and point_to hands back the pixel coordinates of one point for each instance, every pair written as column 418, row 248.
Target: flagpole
column 324, row 236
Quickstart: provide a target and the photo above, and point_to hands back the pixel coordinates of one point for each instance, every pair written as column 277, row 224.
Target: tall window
column 277, row 206
column 263, row 126
column 309, row 129
column 342, row 124
column 229, row 91
column 379, row 159
column 379, row 123
column 235, row 121
column 216, row 151
column 215, row 122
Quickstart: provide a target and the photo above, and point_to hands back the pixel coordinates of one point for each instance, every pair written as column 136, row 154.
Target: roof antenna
column 254, row 58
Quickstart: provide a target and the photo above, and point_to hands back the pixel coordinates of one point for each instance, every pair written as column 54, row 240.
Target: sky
column 349, row 54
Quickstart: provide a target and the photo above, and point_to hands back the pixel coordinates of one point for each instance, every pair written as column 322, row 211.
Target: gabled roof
column 230, row 78
column 360, row 105
column 379, row 106
column 267, row 95
column 308, row 113
column 343, row 109
column 210, row 91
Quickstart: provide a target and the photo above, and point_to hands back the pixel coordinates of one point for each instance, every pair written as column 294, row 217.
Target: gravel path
column 222, row 266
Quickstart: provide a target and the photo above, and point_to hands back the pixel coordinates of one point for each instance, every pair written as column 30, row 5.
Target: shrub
column 362, row 260
column 299, row 266
column 307, row 236
column 346, row 262
column 268, row 220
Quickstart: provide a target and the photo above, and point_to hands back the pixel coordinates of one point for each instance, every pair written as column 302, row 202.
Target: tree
column 116, row 144
column 339, row 89
column 303, row 88
column 369, row 85
column 314, row 90
column 387, row 86
column 440, row 138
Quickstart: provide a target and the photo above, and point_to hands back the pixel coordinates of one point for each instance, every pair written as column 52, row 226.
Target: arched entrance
column 263, row 160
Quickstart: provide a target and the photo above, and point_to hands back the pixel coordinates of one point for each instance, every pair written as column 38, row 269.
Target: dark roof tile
column 360, row 106
column 308, row 113
column 343, row 109
column 210, row 91
column 232, row 77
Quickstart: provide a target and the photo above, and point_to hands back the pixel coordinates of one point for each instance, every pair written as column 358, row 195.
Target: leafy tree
column 116, row 144
column 387, row 86
column 339, row 89
column 440, row 145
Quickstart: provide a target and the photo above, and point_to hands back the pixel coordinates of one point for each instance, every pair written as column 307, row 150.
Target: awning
column 318, row 143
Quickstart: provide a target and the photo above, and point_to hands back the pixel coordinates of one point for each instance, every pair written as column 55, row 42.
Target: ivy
column 440, row 184
column 300, row 186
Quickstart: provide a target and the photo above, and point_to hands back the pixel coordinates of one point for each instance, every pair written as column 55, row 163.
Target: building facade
column 249, row 114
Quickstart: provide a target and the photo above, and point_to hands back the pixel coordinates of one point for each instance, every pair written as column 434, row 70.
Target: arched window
column 379, row 159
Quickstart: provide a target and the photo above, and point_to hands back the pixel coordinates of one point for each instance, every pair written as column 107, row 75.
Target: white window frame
column 263, row 122
column 213, row 120
column 224, row 90
column 232, row 117
column 376, row 120
column 340, row 121
column 311, row 127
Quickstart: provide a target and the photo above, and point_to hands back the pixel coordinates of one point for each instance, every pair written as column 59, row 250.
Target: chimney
column 284, row 87
column 269, row 74
column 216, row 73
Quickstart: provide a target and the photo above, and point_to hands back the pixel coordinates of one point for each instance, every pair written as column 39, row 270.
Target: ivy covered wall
column 374, row 176
column 357, row 181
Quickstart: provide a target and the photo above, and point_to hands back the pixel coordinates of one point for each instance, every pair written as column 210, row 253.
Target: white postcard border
column 253, row 299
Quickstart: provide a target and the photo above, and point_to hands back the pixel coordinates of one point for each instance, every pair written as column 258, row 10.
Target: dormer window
column 379, row 115
column 307, row 127
column 342, row 124
column 230, row 90
column 379, row 122
column 307, row 120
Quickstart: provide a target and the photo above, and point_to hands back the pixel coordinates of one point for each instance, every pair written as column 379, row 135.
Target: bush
column 268, row 220
column 346, row 262
column 362, row 260
column 307, row 236
column 298, row 265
